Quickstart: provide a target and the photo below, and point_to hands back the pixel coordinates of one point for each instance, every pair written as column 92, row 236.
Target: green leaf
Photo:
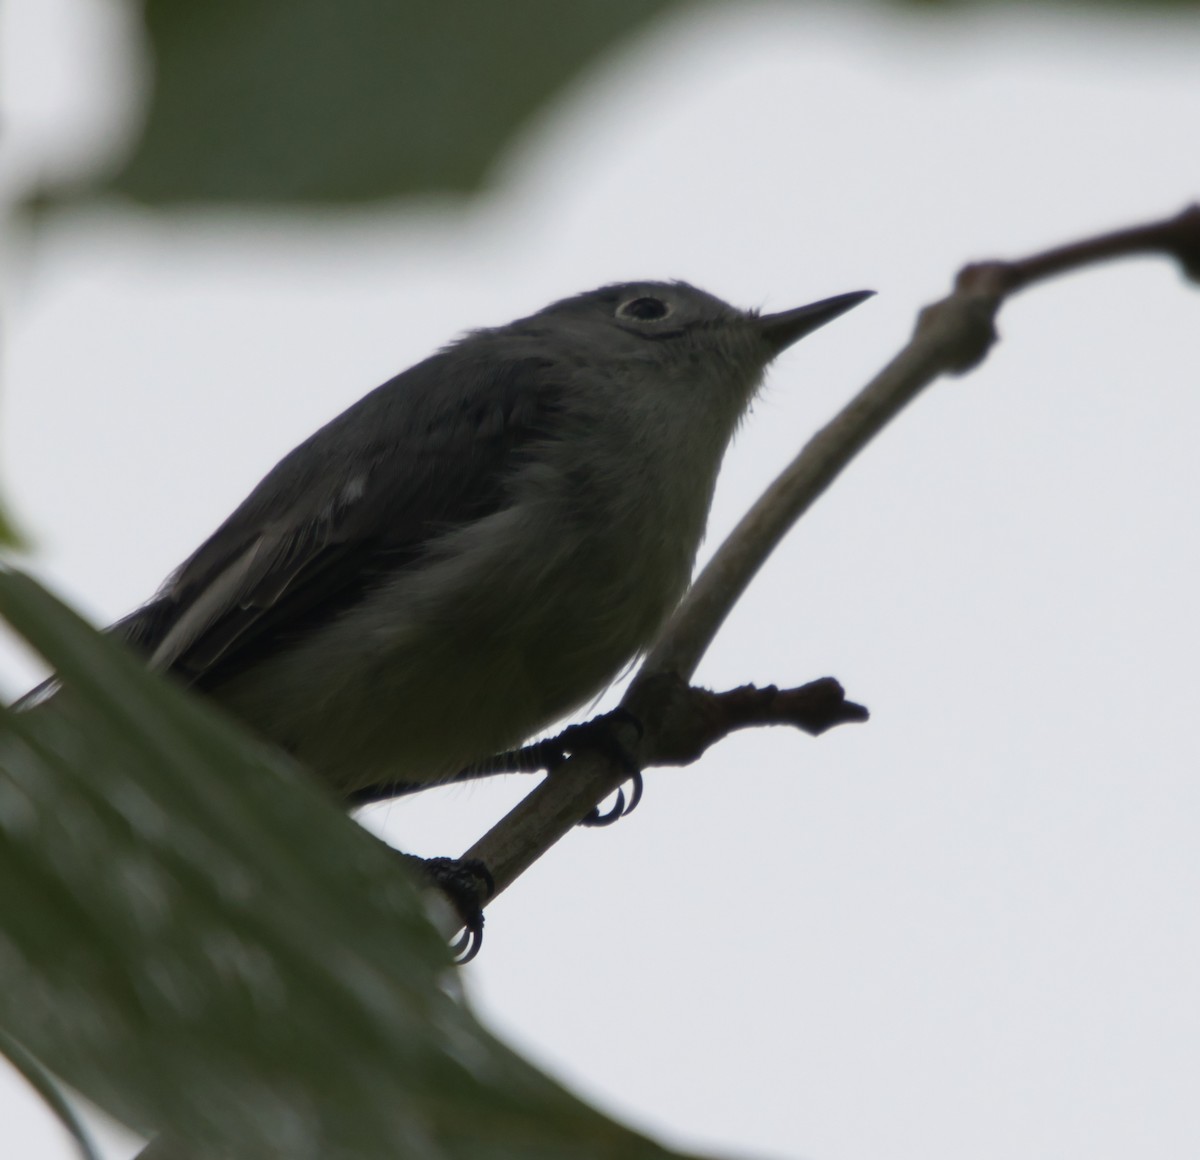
column 316, row 100
column 10, row 537
column 192, row 936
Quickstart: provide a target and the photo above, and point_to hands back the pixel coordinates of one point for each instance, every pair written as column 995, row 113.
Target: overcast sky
column 967, row 929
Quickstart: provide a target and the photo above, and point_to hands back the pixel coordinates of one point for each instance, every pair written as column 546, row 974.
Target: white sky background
column 967, row 929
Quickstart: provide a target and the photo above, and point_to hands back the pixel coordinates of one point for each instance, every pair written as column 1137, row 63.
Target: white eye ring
column 644, row 308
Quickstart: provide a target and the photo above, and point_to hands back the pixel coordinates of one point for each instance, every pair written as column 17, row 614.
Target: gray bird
column 478, row 546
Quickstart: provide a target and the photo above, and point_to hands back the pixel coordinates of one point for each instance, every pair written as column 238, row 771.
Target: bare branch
column 952, row 336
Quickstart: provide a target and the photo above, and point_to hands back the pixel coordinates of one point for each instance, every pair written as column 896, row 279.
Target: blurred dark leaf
column 351, row 100
column 275, row 102
column 10, row 537
column 198, row 941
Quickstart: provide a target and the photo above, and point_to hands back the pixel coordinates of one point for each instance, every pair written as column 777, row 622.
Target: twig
column 951, row 337
column 689, row 720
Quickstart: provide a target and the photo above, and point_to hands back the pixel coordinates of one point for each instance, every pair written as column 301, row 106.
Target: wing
column 349, row 507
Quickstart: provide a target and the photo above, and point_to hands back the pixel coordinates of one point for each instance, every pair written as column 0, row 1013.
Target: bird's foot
column 600, row 735
column 467, row 883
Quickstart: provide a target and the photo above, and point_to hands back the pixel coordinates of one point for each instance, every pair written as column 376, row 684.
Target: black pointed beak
column 782, row 329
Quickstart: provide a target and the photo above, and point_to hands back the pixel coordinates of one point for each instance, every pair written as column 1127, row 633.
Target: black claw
column 636, row 786
column 467, row 883
column 468, row 944
column 621, row 808
column 595, row 818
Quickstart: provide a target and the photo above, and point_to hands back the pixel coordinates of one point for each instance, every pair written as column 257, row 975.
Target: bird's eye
column 644, row 309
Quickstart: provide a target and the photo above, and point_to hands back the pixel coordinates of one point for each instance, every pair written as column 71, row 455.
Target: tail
column 142, row 630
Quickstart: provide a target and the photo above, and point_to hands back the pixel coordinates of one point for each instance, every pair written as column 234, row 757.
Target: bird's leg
column 530, row 759
column 598, row 734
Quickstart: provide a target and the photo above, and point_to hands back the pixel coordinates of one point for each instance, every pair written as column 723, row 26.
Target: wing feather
column 349, row 507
